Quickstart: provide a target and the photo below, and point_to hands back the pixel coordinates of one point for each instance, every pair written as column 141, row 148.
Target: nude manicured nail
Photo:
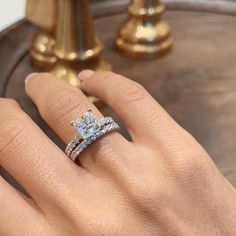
column 85, row 74
column 30, row 76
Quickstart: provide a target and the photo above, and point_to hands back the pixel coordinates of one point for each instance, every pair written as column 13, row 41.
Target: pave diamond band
column 85, row 143
column 90, row 129
column 78, row 139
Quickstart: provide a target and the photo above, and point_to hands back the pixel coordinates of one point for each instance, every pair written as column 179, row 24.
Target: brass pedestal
column 71, row 44
column 42, row 50
column 144, row 35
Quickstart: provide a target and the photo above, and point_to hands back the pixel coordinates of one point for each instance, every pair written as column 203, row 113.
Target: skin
column 161, row 183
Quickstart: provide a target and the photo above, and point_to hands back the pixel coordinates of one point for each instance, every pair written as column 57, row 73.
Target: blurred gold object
column 144, row 34
column 69, row 70
column 75, row 34
column 77, row 45
column 66, row 42
column 43, row 14
column 41, row 50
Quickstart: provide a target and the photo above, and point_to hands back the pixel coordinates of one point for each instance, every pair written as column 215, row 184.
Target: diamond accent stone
column 85, row 143
column 86, row 125
column 78, row 139
column 90, row 129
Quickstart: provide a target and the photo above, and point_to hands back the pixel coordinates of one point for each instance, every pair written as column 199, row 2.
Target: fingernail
column 29, row 77
column 85, row 74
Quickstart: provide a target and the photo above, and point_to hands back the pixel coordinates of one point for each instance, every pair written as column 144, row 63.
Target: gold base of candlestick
column 68, row 71
column 142, row 51
column 83, row 55
column 144, row 34
column 41, row 50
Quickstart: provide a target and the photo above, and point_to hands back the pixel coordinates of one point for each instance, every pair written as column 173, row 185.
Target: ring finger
column 59, row 104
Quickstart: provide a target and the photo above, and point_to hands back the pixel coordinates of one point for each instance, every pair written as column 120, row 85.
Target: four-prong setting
column 90, row 129
column 86, row 125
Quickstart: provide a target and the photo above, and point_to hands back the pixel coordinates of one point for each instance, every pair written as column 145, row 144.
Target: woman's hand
column 161, row 183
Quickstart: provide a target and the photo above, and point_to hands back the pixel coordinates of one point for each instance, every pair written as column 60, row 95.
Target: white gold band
column 87, row 142
column 78, row 139
column 90, row 129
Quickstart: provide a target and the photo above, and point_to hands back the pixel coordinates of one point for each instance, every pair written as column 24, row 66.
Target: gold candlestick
column 144, row 34
column 42, row 13
column 77, row 45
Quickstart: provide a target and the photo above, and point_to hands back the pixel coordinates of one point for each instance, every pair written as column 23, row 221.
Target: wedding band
column 78, row 139
column 90, row 129
column 85, row 143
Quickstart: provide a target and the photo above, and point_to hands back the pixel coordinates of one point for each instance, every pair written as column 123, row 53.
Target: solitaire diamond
column 90, row 129
column 86, row 125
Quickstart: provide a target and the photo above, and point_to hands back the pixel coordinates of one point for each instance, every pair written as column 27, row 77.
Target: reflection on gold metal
column 144, row 34
column 75, row 34
column 65, row 71
column 77, row 45
column 42, row 13
column 69, row 70
column 41, row 50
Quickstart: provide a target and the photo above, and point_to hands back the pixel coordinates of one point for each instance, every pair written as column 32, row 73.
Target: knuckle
column 192, row 167
column 148, row 194
column 11, row 135
column 132, row 92
column 61, row 103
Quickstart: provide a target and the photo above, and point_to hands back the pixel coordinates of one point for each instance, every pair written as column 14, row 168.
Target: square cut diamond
column 86, row 125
